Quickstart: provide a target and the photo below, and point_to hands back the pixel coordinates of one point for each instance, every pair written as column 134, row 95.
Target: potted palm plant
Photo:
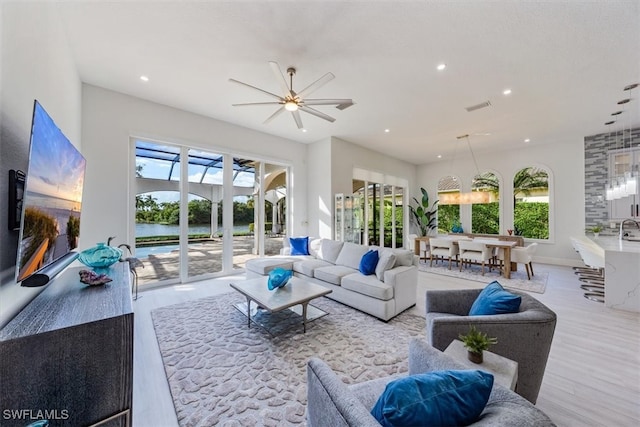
column 424, row 215
column 476, row 342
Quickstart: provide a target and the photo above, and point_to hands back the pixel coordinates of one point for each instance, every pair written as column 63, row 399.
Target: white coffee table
column 505, row 371
column 295, row 296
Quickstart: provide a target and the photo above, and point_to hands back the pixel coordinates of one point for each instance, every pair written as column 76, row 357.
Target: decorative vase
column 100, row 256
column 596, row 234
column 474, row 357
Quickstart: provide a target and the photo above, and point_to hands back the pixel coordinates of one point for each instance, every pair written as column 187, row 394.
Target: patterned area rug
column 222, row 373
column 518, row 280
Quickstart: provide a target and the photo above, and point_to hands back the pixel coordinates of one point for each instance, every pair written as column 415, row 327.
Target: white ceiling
column 566, row 62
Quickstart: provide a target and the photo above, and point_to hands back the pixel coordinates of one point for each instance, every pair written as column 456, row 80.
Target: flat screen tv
column 52, row 202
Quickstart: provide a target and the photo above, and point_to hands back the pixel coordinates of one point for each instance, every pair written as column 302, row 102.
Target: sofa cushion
column 386, row 262
column 332, row 274
column 367, row 285
column 307, row 266
column 314, row 246
column 299, row 245
column 263, row 266
column 368, row 262
column 329, row 250
column 495, row 300
column 351, row 254
column 403, row 256
column 438, row 398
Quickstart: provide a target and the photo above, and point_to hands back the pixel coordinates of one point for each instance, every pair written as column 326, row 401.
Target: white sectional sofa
column 334, row 264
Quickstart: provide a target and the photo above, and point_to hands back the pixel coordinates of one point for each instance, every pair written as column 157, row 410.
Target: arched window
column 485, row 210
column 449, row 203
column 531, row 203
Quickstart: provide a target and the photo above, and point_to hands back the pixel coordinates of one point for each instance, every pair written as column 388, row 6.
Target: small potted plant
column 476, row 342
column 596, row 229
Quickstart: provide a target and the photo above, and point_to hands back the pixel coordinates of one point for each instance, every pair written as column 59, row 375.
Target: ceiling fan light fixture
column 291, row 106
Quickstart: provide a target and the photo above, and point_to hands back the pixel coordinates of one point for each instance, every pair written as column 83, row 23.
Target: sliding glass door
column 200, row 213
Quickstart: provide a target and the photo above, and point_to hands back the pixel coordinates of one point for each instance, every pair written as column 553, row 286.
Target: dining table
column 505, row 245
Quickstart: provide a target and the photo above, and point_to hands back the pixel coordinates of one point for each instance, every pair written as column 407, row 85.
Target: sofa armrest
column 425, row 358
column 285, row 251
column 404, row 281
column 446, row 301
column 401, row 275
column 329, row 401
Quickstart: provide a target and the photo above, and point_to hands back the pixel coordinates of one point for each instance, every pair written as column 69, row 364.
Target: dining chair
column 524, row 256
column 471, row 251
column 442, row 248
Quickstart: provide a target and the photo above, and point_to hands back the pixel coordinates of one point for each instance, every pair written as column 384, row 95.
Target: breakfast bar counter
column 622, row 272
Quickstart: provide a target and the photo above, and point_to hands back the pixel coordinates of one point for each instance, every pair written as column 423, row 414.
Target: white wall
column 566, row 163
column 319, row 195
column 111, row 118
column 35, row 63
column 331, row 165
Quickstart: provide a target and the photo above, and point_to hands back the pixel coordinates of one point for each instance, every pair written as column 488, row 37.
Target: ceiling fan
column 293, row 101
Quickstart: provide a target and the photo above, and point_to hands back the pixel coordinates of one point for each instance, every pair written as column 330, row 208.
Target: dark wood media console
column 70, row 352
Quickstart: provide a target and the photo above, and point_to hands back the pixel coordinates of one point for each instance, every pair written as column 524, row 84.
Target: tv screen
column 50, row 221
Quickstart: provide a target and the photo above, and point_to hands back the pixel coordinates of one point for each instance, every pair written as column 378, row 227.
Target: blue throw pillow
column 438, row 398
column 495, row 300
column 278, row 277
column 299, row 245
column 369, row 262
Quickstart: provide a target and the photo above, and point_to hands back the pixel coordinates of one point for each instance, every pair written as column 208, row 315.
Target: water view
column 164, row 229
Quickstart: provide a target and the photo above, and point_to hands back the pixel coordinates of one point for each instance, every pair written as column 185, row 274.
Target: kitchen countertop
column 613, row 243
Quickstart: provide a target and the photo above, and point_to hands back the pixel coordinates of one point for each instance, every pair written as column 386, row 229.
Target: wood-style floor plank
column 592, row 376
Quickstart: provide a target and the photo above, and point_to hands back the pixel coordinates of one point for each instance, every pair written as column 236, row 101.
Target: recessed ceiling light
column 387, row 130
column 527, row 140
column 439, row 156
column 144, row 78
column 304, row 130
column 506, row 92
column 441, row 67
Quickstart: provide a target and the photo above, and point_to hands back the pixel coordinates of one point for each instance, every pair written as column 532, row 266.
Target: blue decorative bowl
column 100, row 256
column 278, row 277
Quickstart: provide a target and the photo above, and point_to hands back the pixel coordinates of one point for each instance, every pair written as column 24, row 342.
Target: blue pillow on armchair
column 438, row 398
column 299, row 245
column 495, row 300
column 369, row 262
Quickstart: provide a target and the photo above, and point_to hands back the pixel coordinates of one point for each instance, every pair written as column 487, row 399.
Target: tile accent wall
column 596, row 174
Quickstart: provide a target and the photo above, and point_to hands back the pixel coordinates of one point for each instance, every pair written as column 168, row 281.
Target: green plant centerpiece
column 424, row 215
column 476, row 342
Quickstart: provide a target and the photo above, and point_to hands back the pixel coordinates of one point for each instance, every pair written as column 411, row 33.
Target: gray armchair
column 332, row 403
column 524, row 337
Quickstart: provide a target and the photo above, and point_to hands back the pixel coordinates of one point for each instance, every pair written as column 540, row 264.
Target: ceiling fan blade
column 327, row 101
column 256, row 103
column 316, row 85
column 297, row 118
column 256, row 88
column 274, row 115
column 345, row 105
column 317, row 113
column 280, row 78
